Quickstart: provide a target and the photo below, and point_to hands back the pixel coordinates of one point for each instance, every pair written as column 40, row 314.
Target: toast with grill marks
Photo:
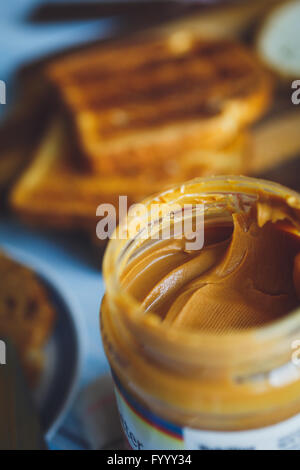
column 153, row 98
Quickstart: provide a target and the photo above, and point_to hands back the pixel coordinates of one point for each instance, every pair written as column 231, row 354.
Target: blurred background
column 92, row 90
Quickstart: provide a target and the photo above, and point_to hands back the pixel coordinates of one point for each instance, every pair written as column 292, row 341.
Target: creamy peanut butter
column 246, row 275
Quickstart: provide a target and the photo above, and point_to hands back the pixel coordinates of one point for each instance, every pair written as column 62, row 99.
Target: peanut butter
column 246, row 275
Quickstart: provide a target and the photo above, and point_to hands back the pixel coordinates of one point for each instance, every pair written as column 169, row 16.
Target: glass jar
column 185, row 389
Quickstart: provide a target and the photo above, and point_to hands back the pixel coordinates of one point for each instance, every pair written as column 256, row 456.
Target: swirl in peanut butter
column 246, row 275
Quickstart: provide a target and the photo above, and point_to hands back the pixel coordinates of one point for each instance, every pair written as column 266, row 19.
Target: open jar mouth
column 256, row 347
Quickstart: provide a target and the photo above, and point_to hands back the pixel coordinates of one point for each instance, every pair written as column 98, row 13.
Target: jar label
column 145, row 430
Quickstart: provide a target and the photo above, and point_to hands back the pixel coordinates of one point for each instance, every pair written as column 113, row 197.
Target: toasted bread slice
column 54, row 193
column 26, row 315
column 145, row 100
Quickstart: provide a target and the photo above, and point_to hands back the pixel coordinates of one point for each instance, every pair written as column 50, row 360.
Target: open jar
column 203, row 343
